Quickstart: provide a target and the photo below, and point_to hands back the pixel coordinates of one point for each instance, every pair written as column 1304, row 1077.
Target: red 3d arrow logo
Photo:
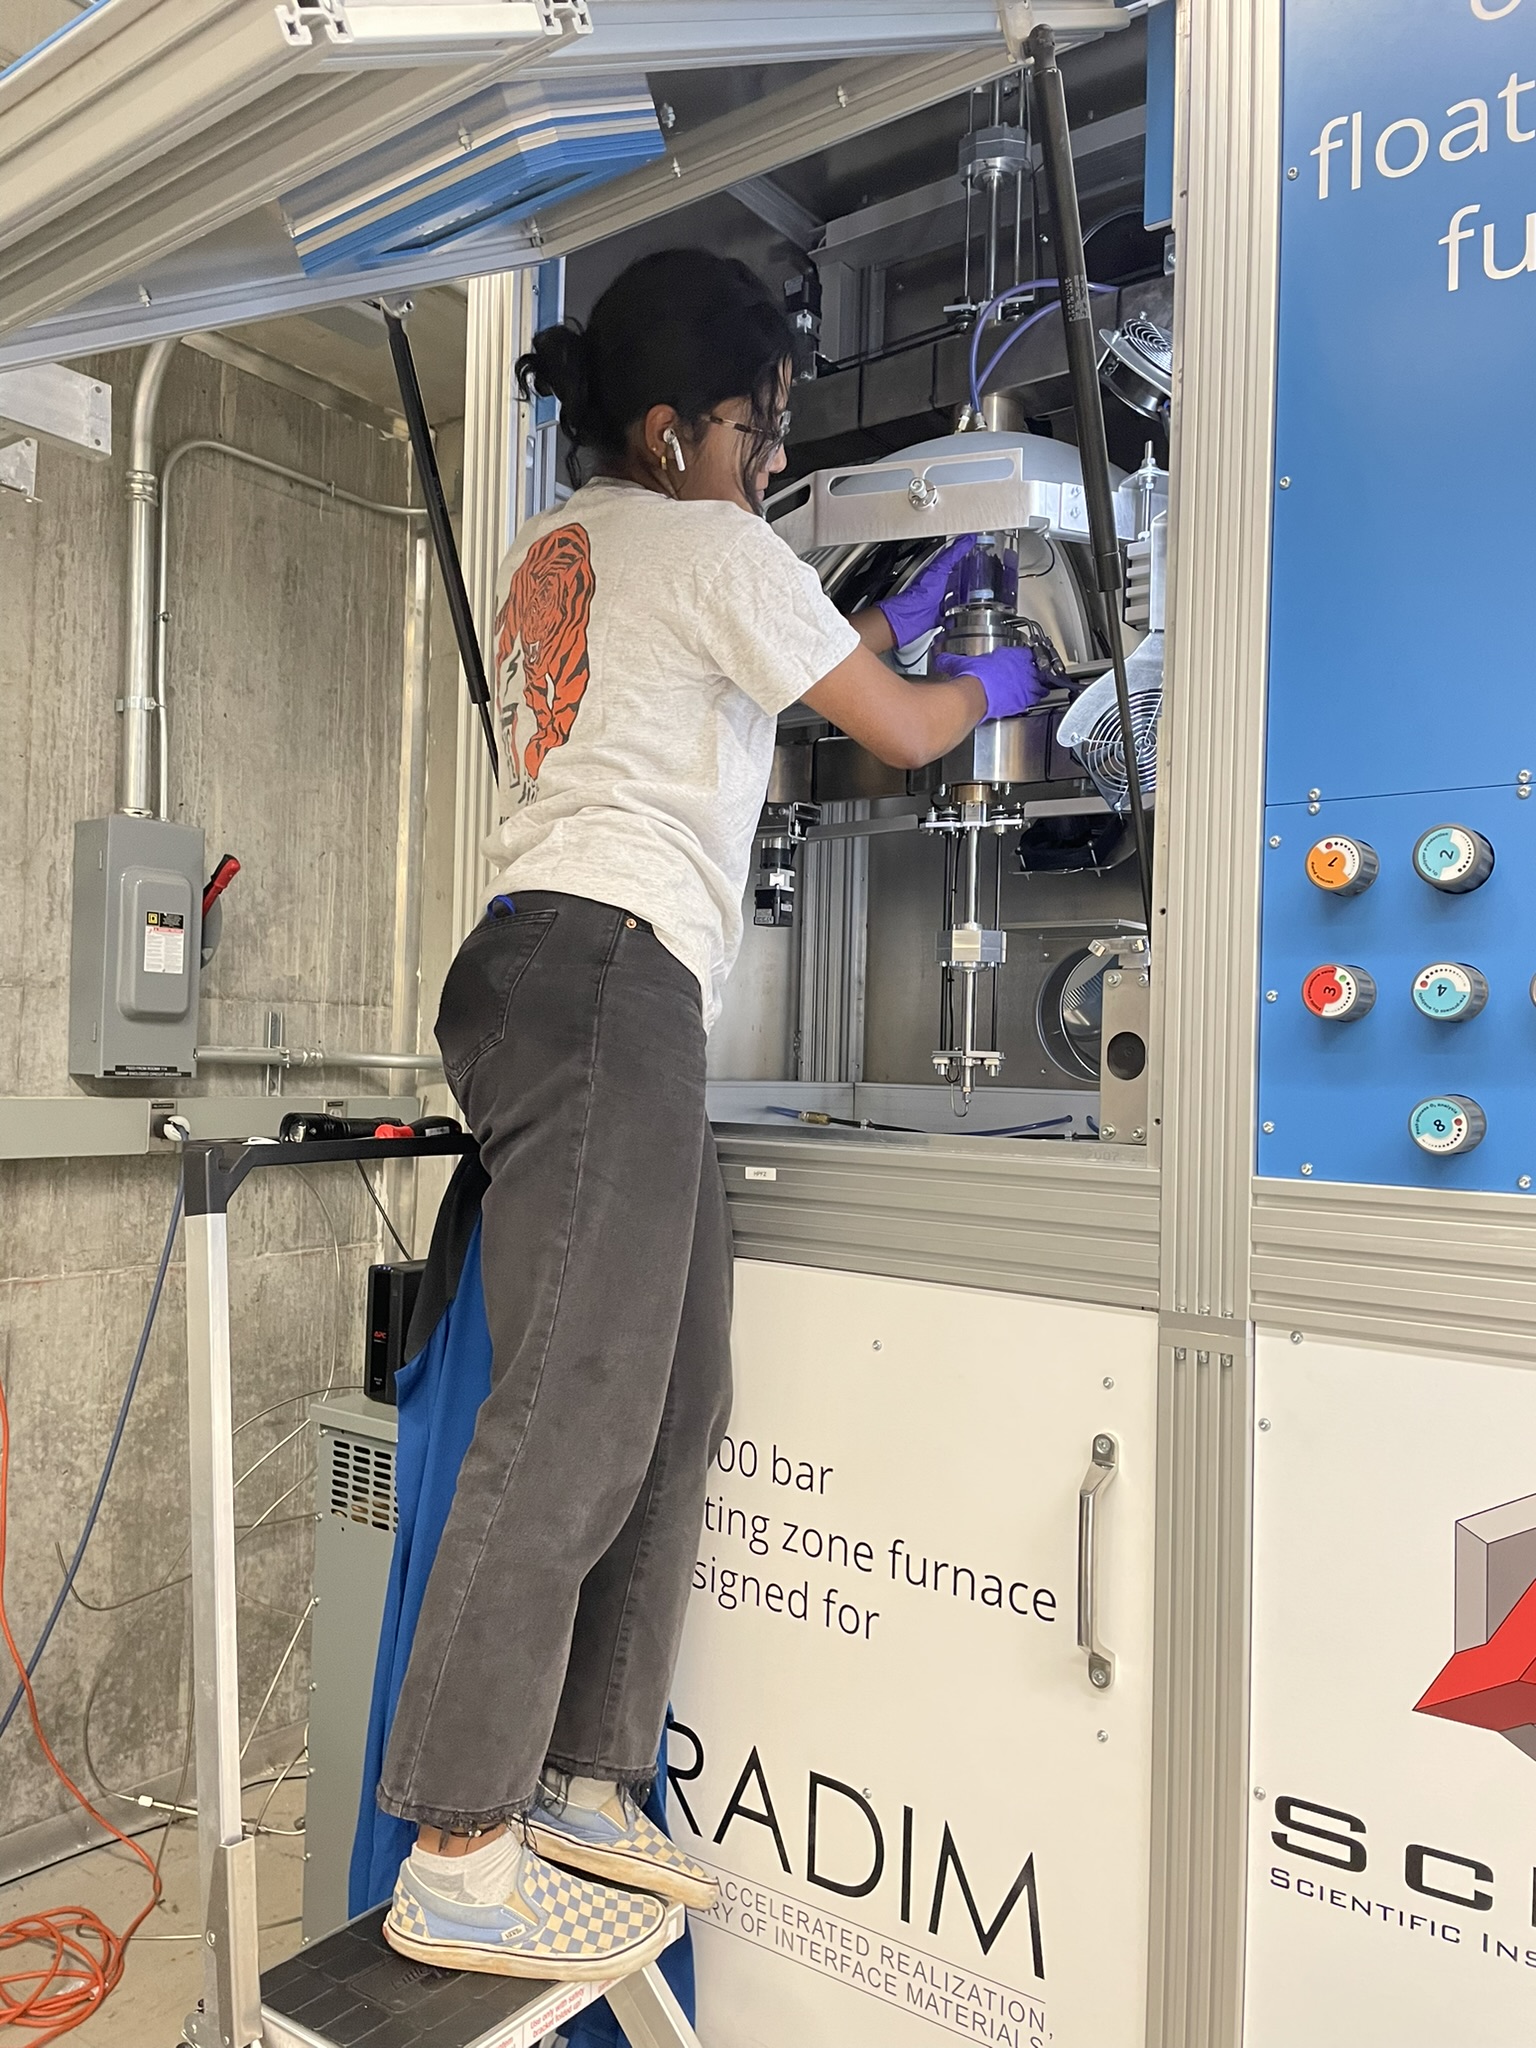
column 1490, row 1682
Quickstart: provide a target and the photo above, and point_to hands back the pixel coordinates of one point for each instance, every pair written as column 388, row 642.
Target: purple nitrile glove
column 1008, row 675
column 917, row 609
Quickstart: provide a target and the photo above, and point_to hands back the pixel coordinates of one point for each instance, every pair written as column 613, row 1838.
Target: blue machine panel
column 1339, row 1091
column 1402, row 671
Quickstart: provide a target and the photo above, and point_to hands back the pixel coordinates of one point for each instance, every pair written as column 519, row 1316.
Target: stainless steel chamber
column 958, row 927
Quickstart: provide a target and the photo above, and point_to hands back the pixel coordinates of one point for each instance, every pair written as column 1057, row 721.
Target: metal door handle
column 1101, row 1664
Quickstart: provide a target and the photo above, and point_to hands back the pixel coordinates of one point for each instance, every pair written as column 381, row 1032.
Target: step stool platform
column 351, row 1990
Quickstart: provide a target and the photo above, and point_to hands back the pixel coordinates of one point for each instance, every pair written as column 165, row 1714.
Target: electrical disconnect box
column 135, row 948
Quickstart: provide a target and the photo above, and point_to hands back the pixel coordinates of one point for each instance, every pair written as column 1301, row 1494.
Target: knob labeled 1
column 1338, row 993
column 1342, row 867
column 1443, row 1124
column 1453, row 858
column 1449, row 992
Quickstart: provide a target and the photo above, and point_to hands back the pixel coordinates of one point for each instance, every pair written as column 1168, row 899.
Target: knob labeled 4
column 1448, row 992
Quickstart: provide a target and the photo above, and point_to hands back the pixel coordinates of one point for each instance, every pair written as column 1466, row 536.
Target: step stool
column 351, row 1987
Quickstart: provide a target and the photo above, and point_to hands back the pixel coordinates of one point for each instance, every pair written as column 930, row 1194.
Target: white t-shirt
column 644, row 649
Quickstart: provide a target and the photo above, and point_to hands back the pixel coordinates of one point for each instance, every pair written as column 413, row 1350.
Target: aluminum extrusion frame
column 1227, row 205
column 1069, row 1222
column 502, row 316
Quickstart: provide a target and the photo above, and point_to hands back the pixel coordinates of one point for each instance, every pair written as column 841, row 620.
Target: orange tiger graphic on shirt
column 546, row 613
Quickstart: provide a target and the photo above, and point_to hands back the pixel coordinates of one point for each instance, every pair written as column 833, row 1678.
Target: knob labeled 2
column 1342, row 867
column 1453, row 858
column 1443, row 1124
column 1448, row 992
column 1337, row 993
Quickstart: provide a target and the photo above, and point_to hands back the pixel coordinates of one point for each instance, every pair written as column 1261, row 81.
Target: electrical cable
column 304, row 1394
column 106, row 1471
column 84, row 1958
column 373, row 1197
column 282, row 1666
column 330, row 1223
column 242, row 1529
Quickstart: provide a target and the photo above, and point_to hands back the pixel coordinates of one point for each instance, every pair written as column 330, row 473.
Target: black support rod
column 1088, row 405
column 442, row 529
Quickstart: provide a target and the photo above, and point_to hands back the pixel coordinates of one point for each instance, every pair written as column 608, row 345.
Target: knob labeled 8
column 1443, row 1124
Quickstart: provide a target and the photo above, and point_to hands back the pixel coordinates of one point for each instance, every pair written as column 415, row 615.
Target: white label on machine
column 925, row 1819
column 1392, row 1846
column 165, row 942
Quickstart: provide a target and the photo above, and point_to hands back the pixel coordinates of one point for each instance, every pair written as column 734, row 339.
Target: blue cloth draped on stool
column 439, row 1392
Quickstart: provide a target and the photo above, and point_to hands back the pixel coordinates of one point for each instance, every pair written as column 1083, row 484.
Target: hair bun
column 559, row 366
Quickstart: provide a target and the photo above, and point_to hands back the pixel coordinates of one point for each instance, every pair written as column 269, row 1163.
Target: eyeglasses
column 776, row 438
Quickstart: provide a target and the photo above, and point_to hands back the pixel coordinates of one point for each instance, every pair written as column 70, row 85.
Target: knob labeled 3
column 1339, row 994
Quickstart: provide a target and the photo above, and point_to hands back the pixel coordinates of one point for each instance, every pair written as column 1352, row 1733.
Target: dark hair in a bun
column 682, row 328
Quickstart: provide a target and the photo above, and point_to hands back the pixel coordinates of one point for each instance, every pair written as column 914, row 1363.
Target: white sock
column 482, row 1877
column 589, row 1793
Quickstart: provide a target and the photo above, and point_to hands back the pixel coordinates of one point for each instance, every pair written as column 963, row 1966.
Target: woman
column 649, row 632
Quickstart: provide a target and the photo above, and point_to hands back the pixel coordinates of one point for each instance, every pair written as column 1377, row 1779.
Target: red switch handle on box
column 219, row 881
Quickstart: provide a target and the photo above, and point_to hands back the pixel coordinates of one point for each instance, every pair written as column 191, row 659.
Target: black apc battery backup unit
column 392, row 1291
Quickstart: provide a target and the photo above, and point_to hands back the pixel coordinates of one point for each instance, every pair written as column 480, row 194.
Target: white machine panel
column 926, row 1819
column 1394, row 1713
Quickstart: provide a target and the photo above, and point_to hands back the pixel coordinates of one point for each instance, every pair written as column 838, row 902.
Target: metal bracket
column 50, row 402
column 18, row 468
column 1019, row 18
column 1133, row 950
column 231, row 1916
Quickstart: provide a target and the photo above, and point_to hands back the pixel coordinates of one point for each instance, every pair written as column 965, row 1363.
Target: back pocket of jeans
column 477, row 995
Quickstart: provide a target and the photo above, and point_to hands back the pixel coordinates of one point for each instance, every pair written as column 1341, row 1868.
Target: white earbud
column 677, row 454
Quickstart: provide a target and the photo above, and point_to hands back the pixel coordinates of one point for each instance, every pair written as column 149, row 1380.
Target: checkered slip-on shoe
column 551, row 1925
column 618, row 1842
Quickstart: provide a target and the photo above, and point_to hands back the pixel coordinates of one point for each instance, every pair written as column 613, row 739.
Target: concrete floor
column 164, row 1977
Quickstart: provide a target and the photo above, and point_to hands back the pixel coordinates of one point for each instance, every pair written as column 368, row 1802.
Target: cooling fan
column 1091, row 728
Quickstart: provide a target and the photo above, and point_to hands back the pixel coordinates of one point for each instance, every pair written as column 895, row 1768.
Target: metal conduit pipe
column 137, row 707
column 162, row 607
column 311, row 1056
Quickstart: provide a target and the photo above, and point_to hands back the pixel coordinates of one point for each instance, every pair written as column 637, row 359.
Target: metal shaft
column 1088, row 406
column 442, row 530
column 231, row 2016
column 968, row 975
column 136, row 745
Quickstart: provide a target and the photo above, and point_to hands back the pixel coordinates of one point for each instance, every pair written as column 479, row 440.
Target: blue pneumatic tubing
column 1014, row 291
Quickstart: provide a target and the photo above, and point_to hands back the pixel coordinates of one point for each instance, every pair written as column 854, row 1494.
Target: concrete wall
column 285, row 687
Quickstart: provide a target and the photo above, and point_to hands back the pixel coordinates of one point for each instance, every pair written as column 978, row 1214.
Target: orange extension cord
column 85, row 1959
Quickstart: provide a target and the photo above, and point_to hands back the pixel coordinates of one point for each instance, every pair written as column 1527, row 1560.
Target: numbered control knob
column 1338, row 993
column 1449, row 992
column 1344, row 867
column 1447, row 1123
column 1453, row 858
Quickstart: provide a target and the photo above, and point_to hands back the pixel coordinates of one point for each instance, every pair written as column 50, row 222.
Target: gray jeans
column 574, row 1042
